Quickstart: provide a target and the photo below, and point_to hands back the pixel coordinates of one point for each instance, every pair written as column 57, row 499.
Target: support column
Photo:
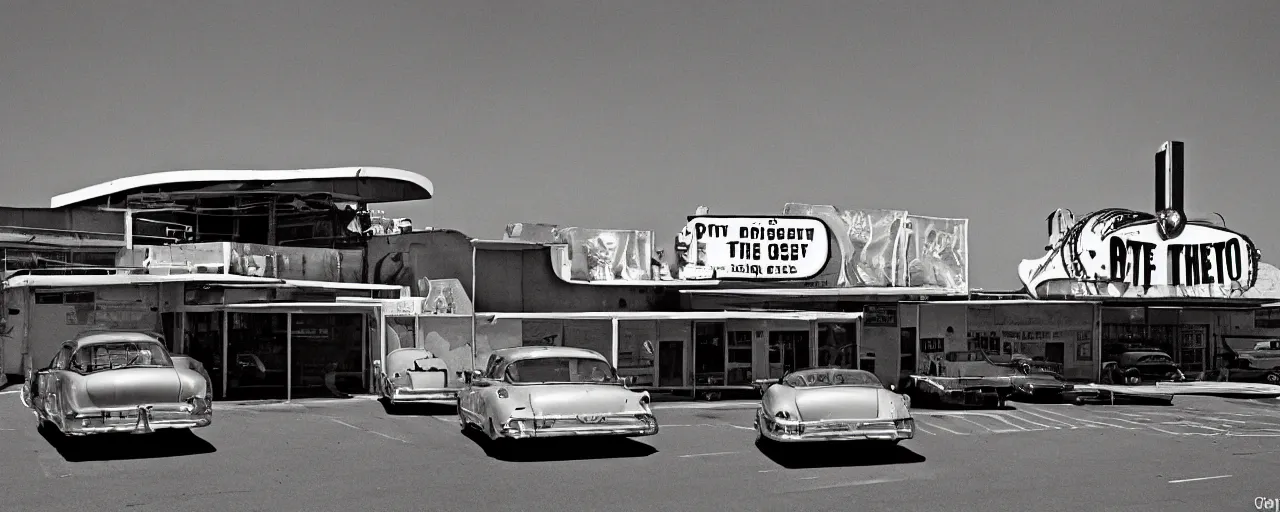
column 226, row 338
column 613, row 350
column 364, row 351
column 271, row 223
column 288, row 357
column 475, row 306
column 128, row 228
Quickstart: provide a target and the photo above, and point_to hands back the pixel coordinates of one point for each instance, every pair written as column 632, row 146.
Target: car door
column 467, row 399
column 46, row 381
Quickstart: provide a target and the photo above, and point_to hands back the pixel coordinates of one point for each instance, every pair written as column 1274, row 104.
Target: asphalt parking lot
column 1200, row 454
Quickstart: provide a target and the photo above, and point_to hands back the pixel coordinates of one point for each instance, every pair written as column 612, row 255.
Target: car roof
column 99, row 337
column 517, row 353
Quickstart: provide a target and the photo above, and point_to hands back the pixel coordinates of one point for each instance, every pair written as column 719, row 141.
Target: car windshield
column 830, row 377
column 1154, row 359
column 554, row 370
column 120, row 354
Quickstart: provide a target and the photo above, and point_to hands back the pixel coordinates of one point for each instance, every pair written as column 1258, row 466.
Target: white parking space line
column 712, row 454
column 942, row 428
column 1200, row 479
column 362, row 429
column 1046, row 418
column 1090, row 422
column 847, row 484
column 1150, row 426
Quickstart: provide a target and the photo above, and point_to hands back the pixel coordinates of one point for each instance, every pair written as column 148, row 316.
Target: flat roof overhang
column 677, row 315
column 357, row 184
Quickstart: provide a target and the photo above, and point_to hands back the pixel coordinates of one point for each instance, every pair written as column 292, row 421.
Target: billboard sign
column 755, row 247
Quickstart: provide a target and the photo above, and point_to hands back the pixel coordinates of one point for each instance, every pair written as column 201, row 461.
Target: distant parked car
column 538, row 392
column 833, row 404
column 1039, row 380
column 1138, row 366
column 414, row 375
column 119, row 381
column 1246, row 368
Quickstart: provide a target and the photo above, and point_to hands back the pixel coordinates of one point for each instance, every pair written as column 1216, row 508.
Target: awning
column 831, row 292
column 678, row 315
column 302, row 307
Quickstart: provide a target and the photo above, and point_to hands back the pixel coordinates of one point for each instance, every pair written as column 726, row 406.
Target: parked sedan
column 833, row 404
column 539, row 392
column 414, row 375
column 119, row 382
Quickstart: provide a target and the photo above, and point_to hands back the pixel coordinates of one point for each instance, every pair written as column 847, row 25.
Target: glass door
column 328, row 355
column 710, row 353
column 838, row 345
column 739, row 360
column 257, row 356
column 203, row 342
column 788, row 351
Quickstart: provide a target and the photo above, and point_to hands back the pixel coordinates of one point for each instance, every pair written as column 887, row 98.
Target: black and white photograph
column 660, row 255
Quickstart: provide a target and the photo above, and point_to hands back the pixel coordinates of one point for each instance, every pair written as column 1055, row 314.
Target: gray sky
column 616, row 114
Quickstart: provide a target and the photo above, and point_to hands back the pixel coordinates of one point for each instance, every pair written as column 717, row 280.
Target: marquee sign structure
column 753, row 247
column 1124, row 253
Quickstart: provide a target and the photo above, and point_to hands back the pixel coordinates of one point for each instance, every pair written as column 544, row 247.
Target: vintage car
column 540, row 392
column 1039, row 380
column 119, row 381
column 968, row 378
column 1138, row 366
column 413, row 375
column 833, row 404
column 1245, row 367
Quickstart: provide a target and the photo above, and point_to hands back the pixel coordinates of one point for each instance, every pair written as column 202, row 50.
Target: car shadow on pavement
column 837, row 454
column 420, row 409
column 557, row 450
column 104, row 447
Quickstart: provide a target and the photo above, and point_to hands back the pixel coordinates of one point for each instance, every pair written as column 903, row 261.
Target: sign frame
column 764, row 277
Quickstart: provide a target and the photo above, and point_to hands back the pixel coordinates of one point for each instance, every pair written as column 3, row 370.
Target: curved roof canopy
column 361, row 184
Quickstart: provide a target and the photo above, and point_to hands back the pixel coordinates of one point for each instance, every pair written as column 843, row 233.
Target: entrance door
column 709, row 353
column 788, row 351
column 670, row 363
column 1055, row 352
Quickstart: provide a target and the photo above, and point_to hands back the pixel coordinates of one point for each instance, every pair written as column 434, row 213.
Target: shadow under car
column 104, row 447
column 420, row 408
column 560, row 449
column 835, row 454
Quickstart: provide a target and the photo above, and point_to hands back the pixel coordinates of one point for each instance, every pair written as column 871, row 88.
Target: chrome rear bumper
column 790, row 431
column 615, row 425
column 142, row 419
column 410, row 395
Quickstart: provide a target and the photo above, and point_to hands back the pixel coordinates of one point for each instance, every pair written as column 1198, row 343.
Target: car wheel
column 1273, row 378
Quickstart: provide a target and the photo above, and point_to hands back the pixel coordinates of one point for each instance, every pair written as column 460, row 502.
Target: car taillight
column 502, row 393
column 644, row 401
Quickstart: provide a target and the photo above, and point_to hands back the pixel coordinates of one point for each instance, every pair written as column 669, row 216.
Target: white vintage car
column 833, row 404
column 414, row 375
column 119, row 381
column 538, row 392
